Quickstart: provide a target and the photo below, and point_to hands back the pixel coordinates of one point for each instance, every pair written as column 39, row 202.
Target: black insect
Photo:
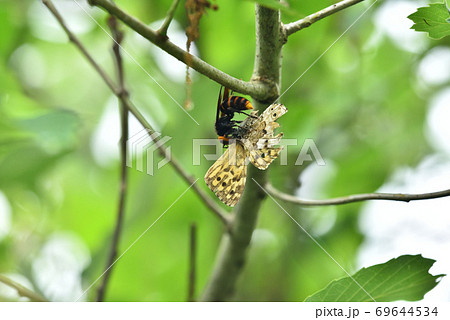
column 227, row 106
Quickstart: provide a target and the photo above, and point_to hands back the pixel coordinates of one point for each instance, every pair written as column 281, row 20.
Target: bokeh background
column 376, row 105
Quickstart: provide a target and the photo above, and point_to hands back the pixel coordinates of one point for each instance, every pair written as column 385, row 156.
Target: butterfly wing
column 273, row 112
column 255, row 139
column 227, row 176
column 265, row 152
column 269, row 141
column 260, row 141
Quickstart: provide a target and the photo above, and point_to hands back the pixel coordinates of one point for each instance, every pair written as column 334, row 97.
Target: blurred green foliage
column 358, row 103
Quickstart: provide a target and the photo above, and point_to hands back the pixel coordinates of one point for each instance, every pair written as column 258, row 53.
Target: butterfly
column 253, row 140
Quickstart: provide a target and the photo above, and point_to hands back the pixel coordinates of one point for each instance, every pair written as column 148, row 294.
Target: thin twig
column 192, row 259
column 207, row 200
column 118, row 37
column 260, row 90
column 162, row 31
column 293, row 27
column 21, row 290
column 356, row 197
column 72, row 38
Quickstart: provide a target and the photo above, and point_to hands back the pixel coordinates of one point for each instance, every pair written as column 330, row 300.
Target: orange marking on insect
column 222, row 138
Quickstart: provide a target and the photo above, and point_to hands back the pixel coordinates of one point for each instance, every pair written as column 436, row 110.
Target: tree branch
column 192, row 260
column 207, row 200
column 233, row 247
column 261, row 90
column 293, row 27
column 118, row 37
column 356, row 197
column 72, row 38
column 162, row 31
column 21, row 290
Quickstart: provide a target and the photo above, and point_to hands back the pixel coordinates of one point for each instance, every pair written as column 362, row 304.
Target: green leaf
column 402, row 278
column 434, row 19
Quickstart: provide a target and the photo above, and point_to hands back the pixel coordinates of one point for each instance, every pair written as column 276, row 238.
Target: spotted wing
column 274, row 111
column 260, row 141
column 227, row 176
column 263, row 154
column 265, row 125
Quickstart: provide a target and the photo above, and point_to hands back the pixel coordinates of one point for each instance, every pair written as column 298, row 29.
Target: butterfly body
column 252, row 140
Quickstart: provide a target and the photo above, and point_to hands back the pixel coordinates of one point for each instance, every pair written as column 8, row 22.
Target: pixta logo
column 142, row 147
